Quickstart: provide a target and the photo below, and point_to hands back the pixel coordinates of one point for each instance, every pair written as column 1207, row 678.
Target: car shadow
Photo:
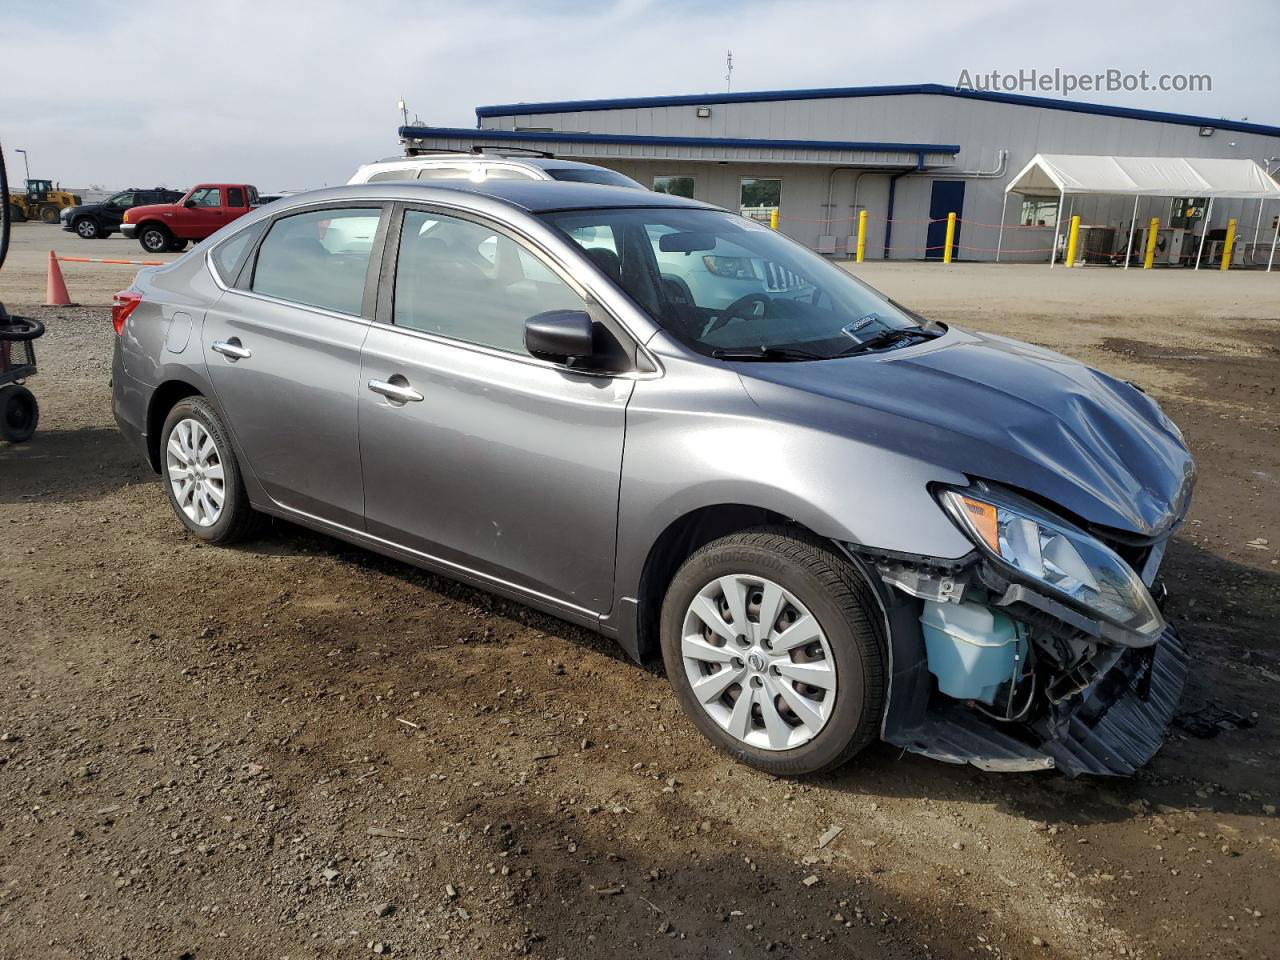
column 1189, row 772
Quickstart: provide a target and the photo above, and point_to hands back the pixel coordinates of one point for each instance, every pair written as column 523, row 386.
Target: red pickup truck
column 203, row 211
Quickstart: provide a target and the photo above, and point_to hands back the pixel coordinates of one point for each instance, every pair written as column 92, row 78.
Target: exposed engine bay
column 1043, row 648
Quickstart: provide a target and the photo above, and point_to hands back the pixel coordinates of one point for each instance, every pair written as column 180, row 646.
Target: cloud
column 297, row 95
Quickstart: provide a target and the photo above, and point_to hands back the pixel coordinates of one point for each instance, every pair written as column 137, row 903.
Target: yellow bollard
column 1151, row 243
column 1072, row 237
column 773, row 219
column 1228, row 244
column 951, row 237
column 862, row 235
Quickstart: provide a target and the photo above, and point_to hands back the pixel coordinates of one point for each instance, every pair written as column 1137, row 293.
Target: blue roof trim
column 830, row 93
column 470, row 133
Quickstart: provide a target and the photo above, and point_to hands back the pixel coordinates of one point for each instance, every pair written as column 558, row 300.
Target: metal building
column 908, row 155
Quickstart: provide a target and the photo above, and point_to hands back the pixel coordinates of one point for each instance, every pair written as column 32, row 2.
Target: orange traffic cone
column 56, row 289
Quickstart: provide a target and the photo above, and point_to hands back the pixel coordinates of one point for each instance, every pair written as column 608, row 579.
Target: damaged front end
column 1043, row 648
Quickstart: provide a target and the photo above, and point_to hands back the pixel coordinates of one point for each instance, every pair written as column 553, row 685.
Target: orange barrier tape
column 134, row 263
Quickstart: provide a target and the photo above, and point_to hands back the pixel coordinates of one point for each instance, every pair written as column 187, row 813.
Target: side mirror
column 563, row 336
column 189, row 204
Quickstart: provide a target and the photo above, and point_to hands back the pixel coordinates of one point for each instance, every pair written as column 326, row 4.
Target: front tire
column 88, row 228
column 19, row 413
column 782, row 619
column 201, row 475
column 154, row 238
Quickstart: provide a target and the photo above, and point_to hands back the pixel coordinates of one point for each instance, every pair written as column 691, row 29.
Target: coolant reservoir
column 971, row 649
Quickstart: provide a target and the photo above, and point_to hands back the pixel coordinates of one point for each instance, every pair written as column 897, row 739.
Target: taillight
column 123, row 304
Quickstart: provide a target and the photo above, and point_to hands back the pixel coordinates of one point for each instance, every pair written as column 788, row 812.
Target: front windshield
column 724, row 284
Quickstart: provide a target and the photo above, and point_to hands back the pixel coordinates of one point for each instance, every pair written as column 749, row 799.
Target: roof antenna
column 728, row 72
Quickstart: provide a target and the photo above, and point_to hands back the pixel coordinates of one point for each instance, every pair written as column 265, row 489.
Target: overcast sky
column 296, row 95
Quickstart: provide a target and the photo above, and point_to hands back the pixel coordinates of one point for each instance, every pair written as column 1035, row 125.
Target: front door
column 947, row 197
column 202, row 214
column 283, row 354
column 475, row 453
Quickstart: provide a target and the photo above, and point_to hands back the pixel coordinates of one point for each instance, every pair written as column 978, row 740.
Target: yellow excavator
column 42, row 201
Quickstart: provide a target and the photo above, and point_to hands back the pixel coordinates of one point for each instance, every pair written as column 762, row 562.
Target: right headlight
column 1067, row 562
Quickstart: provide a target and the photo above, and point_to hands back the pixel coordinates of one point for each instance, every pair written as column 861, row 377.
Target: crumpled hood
column 1006, row 411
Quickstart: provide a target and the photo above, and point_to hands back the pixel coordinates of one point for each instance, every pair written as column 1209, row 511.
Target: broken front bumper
column 1114, row 727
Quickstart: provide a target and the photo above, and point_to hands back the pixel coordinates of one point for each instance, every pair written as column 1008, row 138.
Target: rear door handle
column 231, row 349
column 400, row 392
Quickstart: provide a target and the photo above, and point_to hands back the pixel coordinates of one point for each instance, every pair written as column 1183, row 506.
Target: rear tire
column 801, row 576
column 176, row 245
column 155, row 238
column 19, row 413
column 49, row 214
column 201, row 475
column 87, row 228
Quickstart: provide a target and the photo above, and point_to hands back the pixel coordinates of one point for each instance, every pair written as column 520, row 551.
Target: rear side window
column 400, row 173
column 228, row 256
column 447, row 173
column 319, row 259
column 235, row 197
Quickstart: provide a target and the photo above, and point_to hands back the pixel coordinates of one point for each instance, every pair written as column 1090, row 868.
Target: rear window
column 587, row 175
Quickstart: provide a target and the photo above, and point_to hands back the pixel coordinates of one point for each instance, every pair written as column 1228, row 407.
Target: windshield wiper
column 767, row 354
column 884, row 338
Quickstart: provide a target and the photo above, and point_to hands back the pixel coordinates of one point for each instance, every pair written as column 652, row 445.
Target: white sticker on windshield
column 850, row 329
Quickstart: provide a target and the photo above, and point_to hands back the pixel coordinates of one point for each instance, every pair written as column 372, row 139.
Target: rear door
column 283, row 353
column 481, row 456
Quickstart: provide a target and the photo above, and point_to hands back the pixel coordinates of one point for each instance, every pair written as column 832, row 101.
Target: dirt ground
column 298, row 749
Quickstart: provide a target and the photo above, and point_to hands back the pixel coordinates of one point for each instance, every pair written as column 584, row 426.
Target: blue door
column 947, row 197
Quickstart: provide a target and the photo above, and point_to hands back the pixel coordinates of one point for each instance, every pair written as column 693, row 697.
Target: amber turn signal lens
column 983, row 517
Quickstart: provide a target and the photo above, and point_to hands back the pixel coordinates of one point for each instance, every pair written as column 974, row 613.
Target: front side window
column 675, row 186
column 207, row 197
column 122, row 201
column 466, row 281
column 319, row 259
column 759, row 198
column 722, row 282
column 610, row 178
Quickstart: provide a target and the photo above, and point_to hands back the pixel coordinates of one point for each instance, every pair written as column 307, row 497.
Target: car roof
column 533, row 196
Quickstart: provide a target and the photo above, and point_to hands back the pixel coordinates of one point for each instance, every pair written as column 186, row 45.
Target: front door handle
column 232, row 350
column 400, row 392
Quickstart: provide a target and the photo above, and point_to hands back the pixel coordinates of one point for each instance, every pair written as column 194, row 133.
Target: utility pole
column 728, row 74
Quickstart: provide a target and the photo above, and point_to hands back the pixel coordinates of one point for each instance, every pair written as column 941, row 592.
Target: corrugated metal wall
column 982, row 128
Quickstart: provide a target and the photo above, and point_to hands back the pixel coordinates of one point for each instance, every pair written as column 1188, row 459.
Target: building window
column 760, row 198
column 1040, row 212
column 675, row 186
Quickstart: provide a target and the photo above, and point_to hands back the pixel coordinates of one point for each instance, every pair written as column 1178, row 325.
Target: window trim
column 642, row 364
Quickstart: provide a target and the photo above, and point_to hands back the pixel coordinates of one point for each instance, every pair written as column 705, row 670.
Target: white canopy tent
column 1069, row 174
